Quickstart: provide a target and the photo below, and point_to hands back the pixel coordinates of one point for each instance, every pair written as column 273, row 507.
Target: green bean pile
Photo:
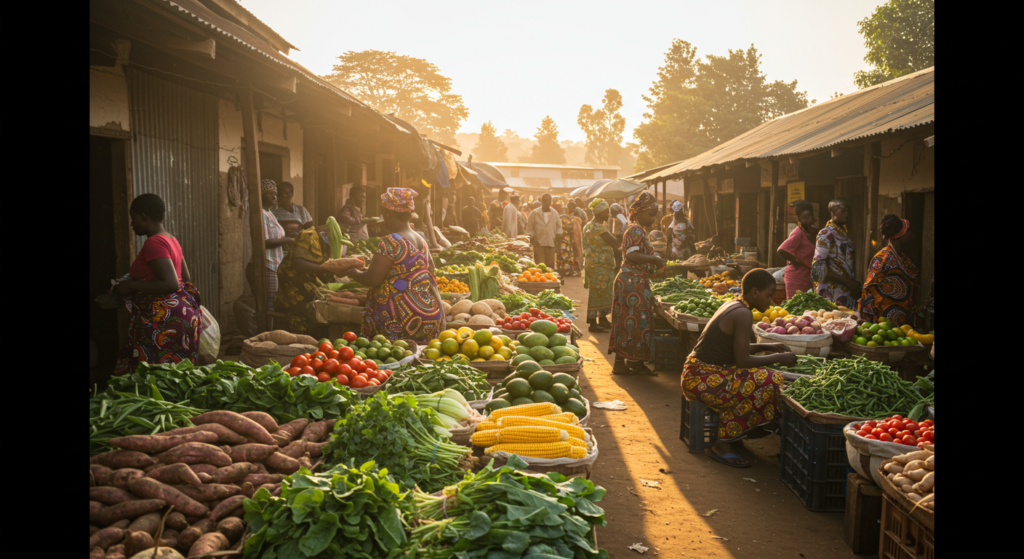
column 124, row 414
column 855, row 387
column 805, row 365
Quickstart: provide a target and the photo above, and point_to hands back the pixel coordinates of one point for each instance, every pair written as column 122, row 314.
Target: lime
column 361, row 354
column 402, row 344
column 890, row 335
column 872, row 343
column 877, row 339
column 322, row 340
column 899, row 333
column 376, row 345
column 861, row 340
column 362, row 342
column 383, row 353
column 907, row 341
column 450, row 346
column 432, row 354
column 875, row 328
column 380, row 338
column 371, row 352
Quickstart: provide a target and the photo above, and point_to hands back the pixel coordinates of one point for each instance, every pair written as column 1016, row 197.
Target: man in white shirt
column 544, row 227
column 510, row 217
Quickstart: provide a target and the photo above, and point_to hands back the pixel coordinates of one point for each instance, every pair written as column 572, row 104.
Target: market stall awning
column 488, row 175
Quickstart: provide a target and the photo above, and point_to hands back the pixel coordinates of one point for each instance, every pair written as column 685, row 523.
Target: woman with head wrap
column 567, row 260
column 599, row 247
column 403, row 301
column 632, row 309
column 681, row 236
column 798, row 250
column 832, row 266
column 890, row 287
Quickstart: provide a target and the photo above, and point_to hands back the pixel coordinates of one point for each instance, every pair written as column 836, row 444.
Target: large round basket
column 815, row 345
column 259, row 350
column 535, row 287
column 890, row 354
column 564, row 466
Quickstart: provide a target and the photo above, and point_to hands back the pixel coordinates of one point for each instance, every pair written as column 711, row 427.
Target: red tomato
column 544, row 315
column 326, row 348
column 893, row 431
column 871, row 423
column 863, row 433
column 307, row 370
column 333, row 354
column 885, row 437
column 897, row 417
column 898, row 425
column 899, row 441
column 342, row 379
column 319, row 355
column 909, row 439
column 317, row 365
column 388, row 372
column 872, row 437
column 373, row 382
column 928, row 436
column 360, row 365
column 358, row 381
column 345, row 369
column 534, row 311
column 371, row 365
column 307, row 356
column 346, row 353
column 300, row 361
column 877, row 431
column 917, row 434
column 524, row 315
column 294, row 371
column 920, row 444
column 911, row 426
column 903, row 433
column 331, row 366
column 349, row 336
column 323, row 377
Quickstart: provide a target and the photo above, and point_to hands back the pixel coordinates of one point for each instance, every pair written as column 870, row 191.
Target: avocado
column 565, row 380
column 545, row 327
column 521, row 401
column 536, row 339
column 519, row 388
column 541, row 380
column 559, row 392
column 576, row 407
column 542, row 396
column 497, row 404
column 556, row 340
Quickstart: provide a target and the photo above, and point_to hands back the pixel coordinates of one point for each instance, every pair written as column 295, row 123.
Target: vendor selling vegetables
column 723, row 374
column 891, row 284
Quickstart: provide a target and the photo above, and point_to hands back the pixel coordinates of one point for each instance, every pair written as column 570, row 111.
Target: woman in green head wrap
column 599, row 247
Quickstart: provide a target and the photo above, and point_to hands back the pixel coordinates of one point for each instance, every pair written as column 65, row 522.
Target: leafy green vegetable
column 546, row 300
column 121, row 414
column 807, row 301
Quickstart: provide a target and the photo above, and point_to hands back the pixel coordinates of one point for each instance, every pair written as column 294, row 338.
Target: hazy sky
column 516, row 63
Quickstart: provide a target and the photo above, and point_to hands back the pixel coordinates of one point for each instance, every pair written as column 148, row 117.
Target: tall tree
column 489, row 146
column 546, row 150
column 603, row 128
column 900, row 37
column 695, row 104
column 410, row 88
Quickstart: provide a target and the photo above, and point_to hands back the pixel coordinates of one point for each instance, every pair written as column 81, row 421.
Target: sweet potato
column 213, row 504
column 189, row 536
column 253, row 452
column 225, row 449
column 120, row 478
column 208, row 492
column 281, row 463
column 237, row 423
column 174, row 474
column 203, row 468
column 247, row 489
column 259, row 479
column 232, row 528
column 305, row 462
column 152, row 444
column 263, row 419
column 152, row 467
column 110, row 495
column 98, row 471
column 176, row 521
column 151, row 488
column 127, row 510
column 294, row 428
column 136, row 542
column 195, row 453
column 282, row 437
column 117, row 548
column 224, row 435
column 316, row 431
column 232, row 473
column 316, row 450
column 93, row 529
column 228, row 505
column 258, row 468
column 205, row 478
column 277, row 491
column 123, row 523
column 169, row 538
column 147, row 523
column 116, row 554
column 237, row 513
column 97, row 553
column 208, row 543
column 271, row 487
column 295, row 449
column 123, row 459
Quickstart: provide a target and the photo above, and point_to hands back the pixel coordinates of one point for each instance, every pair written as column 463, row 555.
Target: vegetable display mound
column 433, row 377
column 408, row 441
column 805, row 365
column 510, row 514
column 547, row 301
column 857, row 387
column 807, row 301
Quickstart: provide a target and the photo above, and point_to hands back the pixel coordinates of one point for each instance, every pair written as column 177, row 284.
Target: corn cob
column 486, row 426
column 531, row 434
column 515, row 421
column 564, row 417
column 577, row 442
column 536, row 450
column 485, row 438
column 334, row 233
column 577, row 452
column 528, row 410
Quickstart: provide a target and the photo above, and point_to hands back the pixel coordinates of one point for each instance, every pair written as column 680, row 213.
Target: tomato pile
column 898, row 430
column 523, row 321
column 340, row 364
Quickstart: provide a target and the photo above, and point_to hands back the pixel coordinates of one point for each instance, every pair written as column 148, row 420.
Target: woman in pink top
column 164, row 305
column 798, row 250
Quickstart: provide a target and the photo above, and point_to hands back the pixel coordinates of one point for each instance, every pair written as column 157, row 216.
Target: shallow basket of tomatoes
column 343, row 366
column 870, row 443
column 513, row 325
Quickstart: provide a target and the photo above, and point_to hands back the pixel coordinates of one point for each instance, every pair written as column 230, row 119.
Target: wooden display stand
column 863, row 514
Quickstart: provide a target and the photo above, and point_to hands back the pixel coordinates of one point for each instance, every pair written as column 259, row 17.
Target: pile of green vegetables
column 366, row 248
column 484, row 282
column 807, row 301
column 548, row 301
column 440, row 375
column 675, row 284
column 805, row 365
column 856, row 387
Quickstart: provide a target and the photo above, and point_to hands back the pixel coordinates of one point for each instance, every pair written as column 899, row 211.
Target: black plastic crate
column 698, row 427
column 813, row 461
column 667, row 353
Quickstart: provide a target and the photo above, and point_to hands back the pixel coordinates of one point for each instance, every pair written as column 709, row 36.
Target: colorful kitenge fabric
column 163, row 329
column 631, row 305
column 643, row 202
column 565, row 250
column 682, row 239
column 742, row 398
column 293, row 297
column 406, row 304
column 890, row 288
column 833, row 249
column 599, row 273
column 577, row 243
column 399, row 199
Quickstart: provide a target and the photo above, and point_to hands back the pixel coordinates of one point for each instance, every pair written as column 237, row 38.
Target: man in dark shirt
column 472, row 216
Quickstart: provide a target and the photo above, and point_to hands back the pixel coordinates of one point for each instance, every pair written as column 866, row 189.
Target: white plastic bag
column 209, row 339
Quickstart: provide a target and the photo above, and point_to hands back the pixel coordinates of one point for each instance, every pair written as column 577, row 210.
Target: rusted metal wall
column 174, row 155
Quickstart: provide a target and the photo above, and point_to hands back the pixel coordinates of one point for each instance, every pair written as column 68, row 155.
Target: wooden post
column 772, row 240
column 252, row 176
column 872, row 165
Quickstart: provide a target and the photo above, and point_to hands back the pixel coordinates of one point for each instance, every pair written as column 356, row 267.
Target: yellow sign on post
column 794, row 191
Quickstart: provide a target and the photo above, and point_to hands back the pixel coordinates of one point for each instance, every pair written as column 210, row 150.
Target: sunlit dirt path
column 759, row 518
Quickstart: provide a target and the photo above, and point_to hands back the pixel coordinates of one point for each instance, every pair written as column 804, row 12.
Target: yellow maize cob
column 516, row 421
column 566, row 417
column 486, row 426
column 528, row 410
column 485, row 438
column 531, row 434
column 577, row 442
column 577, row 452
column 535, row 450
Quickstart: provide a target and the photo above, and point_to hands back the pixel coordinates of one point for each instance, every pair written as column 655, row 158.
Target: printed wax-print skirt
column 163, row 329
column 631, row 315
column 743, row 398
column 598, row 280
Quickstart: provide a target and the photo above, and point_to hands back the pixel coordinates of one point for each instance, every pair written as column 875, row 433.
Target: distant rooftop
column 546, row 166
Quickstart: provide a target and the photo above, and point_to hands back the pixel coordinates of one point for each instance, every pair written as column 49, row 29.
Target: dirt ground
column 756, row 515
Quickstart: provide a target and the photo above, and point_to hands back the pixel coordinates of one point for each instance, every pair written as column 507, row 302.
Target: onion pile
column 792, row 325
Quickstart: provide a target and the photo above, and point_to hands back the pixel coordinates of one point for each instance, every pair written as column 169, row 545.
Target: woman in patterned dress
column 403, row 301
column 890, row 288
column 832, row 265
column 565, row 251
column 630, row 339
column 599, row 274
column 301, row 268
column 723, row 374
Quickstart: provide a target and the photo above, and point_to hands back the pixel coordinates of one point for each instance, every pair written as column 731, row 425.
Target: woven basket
column 827, row 418
column 922, row 515
column 328, row 312
column 815, row 347
column 259, row 350
column 890, row 354
column 572, row 468
column 565, row 367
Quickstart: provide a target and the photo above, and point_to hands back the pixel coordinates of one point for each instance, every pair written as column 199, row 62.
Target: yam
column 258, row 468
column 908, row 488
column 93, row 529
column 294, row 427
column 252, row 452
column 232, row 528
column 260, row 479
column 204, row 477
column 481, row 308
column 271, row 487
column 276, row 492
column 281, row 463
column 123, row 523
column 117, row 459
column 247, row 489
column 494, row 304
column 316, row 450
column 208, row 543
column 263, row 418
column 118, row 548
column 121, row 478
column 189, row 536
column 224, row 435
column 894, row 468
column 208, row 492
column 136, row 542
column 127, row 510
column 232, row 473
column 97, row 553
column 110, row 495
column 147, row 523
column 227, row 449
column 918, row 474
column 464, row 306
column 237, row 423
column 116, row 552
column 167, row 544
column 238, row 513
column 94, row 509
column 901, row 480
column 911, row 456
column 152, row 444
column 341, row 266
column 174, row 474
column 316, row 431
column 928, row 499
column 106, row 538
column 176, row 521
column 279, row 337
column 153, row 489
column 305, row 462
column 195, row 453
column 150, row 468
column 462, row 317
column 202, row 468
column 226, row 506
column 295, row 449
column 98, row 471
column 447, row 307
column 913, row 465
column 927, row 483
column 929, row 463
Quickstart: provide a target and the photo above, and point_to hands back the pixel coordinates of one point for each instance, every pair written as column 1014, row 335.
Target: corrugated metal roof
column 535, row 183
column 899, row 104
column 547, row 166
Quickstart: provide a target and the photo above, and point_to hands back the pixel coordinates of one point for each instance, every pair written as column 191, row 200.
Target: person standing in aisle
column 576, row 210
column 832, row 266
column 472, row 217
column 798, row 250
column 619, row 225
column 890, row 288
column 544, row 226
column 350, row 218
column 510, row 217
column 274, row 238
column 681, row 236
column 599, row 247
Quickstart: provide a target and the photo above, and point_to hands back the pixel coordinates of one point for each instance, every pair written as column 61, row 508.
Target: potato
column 247, row 489
column 913, row 465
column 911, row 456
column 196, row 453
column 918, row 474
column 224, row 435
column 189, row 536
column 927, row 483
column 176, row 473
column 914, row 497
column 281, row 463
column 295, row 449
column 316, row 431
column 894, row 468
column 110, row 495
column 204, row 478
column 158, row 553
column 464, row 306
column 208, row 492
column 252, row 452
column 97, row 553
column 902, row 480
column 232, row 473
column 929, row 463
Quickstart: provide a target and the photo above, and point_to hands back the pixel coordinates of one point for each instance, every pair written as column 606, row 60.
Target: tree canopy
column 410, row 88
column 695, row 105
column 604, row 128
column 489, row 146
column 546, row 150
column 900, row 37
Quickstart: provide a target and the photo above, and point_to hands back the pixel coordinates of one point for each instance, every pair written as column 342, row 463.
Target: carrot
column 195, row 453
column 247, row 489
column 127, row 510
column 203, row 468
column 316, row 450
column 152, row 444
column 208, row 492
column 232, row 528
column 123, row 459
column 281, row 463
column 208, row 543
column 295, row 449
column 149, row 487
column 316, row 431
column 176, row 521
column 136, row 542
column 260, row 479
column 237, row 423
column 110, row 495
column 228, row 505
column 232, row 473
column 146, row 523
column 176, row 473
column 263, row 418
column 189, row 536
column 106, row 537
column 252, row 452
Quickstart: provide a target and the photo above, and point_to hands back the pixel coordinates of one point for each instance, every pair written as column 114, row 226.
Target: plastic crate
column 667, row 353
column 813, row 461
column 698, row 427
column 902, row 536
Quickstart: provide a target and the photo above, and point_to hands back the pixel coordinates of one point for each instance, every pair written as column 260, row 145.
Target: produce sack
column 276, row 345
column 842, row 329
column 817, row 345
column 557, row 463
column 209, row 339
column 865, row 455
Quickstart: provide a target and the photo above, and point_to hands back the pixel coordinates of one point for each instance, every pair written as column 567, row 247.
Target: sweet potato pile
column 204, row 472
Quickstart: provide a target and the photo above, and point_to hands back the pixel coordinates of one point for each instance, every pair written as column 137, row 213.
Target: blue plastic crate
column 813, row 461
column 667, row 353
column 698, row 427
